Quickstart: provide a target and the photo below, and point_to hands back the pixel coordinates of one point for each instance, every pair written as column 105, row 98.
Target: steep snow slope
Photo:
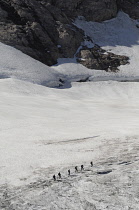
column 15, row 64
column 45, row 130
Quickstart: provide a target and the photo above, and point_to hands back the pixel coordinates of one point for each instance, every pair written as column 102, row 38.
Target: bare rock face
column 102, row 10
column 38, row 29
column 130, row 7
column 97, row 58
column 44, row 29
column 92, row 10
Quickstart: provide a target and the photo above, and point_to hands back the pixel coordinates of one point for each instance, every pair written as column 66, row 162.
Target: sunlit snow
column 45, row 130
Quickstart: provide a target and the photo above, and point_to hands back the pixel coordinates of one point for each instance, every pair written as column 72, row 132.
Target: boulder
column 98, row 58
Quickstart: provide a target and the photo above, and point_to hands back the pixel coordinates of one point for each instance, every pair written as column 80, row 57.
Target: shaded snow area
column 45, row 130
column 120, row 36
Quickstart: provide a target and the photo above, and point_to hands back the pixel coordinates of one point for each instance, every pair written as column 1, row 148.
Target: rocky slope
column 44, row 29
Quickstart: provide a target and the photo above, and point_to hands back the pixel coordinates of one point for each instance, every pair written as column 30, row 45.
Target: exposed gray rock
column 38, row 29
column 3, row 14
column 131, row 7
column 44, row 29
column 97, row 58
column 91, row 9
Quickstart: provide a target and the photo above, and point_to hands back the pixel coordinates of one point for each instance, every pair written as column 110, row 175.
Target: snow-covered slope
column 45, row 130
column 120, row 36
column 15, row 64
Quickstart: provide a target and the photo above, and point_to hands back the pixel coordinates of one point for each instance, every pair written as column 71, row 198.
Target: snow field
column 45, row 130
column 43, row 127
column 115, row 188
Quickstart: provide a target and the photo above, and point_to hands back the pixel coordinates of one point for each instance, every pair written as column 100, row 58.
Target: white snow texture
column 44, row 129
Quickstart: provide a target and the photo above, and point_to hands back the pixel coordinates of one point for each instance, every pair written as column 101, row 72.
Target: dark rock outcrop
column 44, row 29
column 97, row 58
column 92, row 10
column 130, row 7
column 38, row 29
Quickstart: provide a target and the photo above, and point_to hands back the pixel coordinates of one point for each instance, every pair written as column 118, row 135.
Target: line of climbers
column 76, row 170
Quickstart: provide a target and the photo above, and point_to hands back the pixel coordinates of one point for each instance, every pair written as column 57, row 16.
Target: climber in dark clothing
column 59, row 174
column 82, row 167
column 91, row 164
column 54, row 177
column 76, row 169
column 69, row 172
